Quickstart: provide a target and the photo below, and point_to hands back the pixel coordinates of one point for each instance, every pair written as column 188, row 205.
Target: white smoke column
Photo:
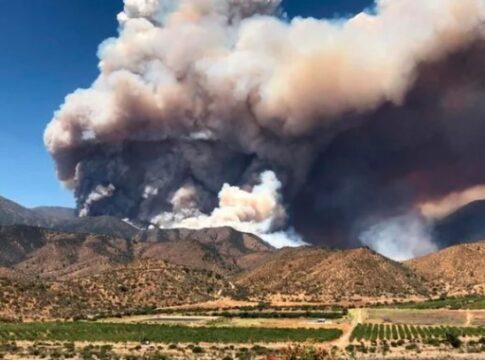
column 258, row 211
column 400, row 238
column 101, row 192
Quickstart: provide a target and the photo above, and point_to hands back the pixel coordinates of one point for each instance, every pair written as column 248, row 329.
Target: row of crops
column 85, row 331
column 374, row 332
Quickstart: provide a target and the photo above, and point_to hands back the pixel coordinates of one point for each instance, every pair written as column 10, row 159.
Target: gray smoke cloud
column 400, row 238
column 213, row 112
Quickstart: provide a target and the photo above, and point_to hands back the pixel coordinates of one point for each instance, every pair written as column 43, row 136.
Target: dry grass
column 418, row 317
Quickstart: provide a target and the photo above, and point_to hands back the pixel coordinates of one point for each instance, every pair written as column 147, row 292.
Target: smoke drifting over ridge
column 419, row 161
column 220, row 112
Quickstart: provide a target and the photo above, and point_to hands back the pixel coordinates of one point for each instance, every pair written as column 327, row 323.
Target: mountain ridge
column 456, row 269
column 38, row 262
column 56, row 218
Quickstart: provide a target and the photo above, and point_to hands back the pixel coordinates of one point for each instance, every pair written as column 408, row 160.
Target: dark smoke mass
column 222, row 112
column 414, row 162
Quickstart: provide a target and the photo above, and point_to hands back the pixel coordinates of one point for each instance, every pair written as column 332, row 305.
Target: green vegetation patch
column 90, row 332
column 475, row 302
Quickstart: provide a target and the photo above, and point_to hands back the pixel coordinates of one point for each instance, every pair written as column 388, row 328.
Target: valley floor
column 201, row 333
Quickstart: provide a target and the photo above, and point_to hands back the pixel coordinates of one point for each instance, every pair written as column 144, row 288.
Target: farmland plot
column 418, row 317
column 374, row 332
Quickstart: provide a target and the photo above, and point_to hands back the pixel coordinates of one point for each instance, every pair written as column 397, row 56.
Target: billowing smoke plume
column 257, row 211
column 424, row 156
column 222, row 112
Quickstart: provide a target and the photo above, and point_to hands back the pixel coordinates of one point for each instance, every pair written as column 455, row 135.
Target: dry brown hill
column 45, row 253
column 139, row 285
column 144, row 283
column 50, row 273
column 61, row 255
column 321, row 274
column 71, row 255
column 188, row 253
column 16, row 242
column 53, row 274
column 458, row 269
column 226, row 239
column 224, row 250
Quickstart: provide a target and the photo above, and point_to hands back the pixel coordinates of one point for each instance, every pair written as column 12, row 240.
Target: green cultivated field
column 105, row 332
column 475, row 302
column 373, row 332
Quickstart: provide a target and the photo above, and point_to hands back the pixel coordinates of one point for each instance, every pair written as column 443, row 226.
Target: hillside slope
column 46, row 253
column 139, row 285
column 13, row 214
column 218, row 249
column 328, row 275
column 53, row 254
column 458, row 269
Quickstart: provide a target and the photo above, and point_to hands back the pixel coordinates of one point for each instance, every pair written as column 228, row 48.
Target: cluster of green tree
column 476, row 302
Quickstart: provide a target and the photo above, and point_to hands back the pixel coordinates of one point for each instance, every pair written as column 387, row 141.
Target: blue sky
column 48, row 49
